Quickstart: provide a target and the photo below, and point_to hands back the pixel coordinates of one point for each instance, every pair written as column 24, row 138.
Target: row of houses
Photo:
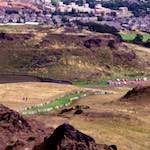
column 54, row 15
column 98, row 10
column 17, row 14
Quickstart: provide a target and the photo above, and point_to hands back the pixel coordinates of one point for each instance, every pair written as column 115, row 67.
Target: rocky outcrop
column 14, row 37
column 66, row 137
column 139, row 95
column 18, row 133
column 12, row 120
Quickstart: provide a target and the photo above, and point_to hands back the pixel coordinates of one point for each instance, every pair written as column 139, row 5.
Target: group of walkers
column 121, row 82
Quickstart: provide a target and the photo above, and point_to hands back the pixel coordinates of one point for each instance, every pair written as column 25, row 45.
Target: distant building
column 99, row 10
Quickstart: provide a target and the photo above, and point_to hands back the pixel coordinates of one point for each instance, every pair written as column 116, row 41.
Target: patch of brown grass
column 13, row 94
column 109, row 121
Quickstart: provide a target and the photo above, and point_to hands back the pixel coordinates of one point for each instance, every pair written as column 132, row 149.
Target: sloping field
column 108, row 120
column 131, row 36
column 25, row 94
column 124, row 124
column 68, row 56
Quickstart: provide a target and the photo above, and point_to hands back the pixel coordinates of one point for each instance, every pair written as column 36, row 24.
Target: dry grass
column 37, row 38
column 137, row 47
column 13, row 94
column 125, row 135
column 130, row 130
column 132, row 133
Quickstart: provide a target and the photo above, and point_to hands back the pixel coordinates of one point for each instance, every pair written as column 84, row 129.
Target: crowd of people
column 135, row 82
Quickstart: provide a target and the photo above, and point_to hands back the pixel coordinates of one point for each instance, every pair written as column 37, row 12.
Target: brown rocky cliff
column 18, row 133
column 12, row 120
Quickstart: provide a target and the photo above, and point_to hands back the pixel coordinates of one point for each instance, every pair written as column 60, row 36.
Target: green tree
column 54, row 2
column 138, row 39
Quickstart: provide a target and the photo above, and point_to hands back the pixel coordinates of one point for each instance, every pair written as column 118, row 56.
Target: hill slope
column 17, row 133
column 69, row 56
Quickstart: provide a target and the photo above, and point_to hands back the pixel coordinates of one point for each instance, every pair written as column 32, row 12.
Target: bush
column 102, row 28
column 78, row 112
column 147, row 43
column 92, row 26
column 138, row 39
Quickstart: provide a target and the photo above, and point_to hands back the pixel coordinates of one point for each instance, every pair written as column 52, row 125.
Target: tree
column 102, row 28
column 138, row 39
column 54, row 2
column 64, row 19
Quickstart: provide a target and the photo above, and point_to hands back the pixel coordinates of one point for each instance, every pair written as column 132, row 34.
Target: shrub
column 138, row 39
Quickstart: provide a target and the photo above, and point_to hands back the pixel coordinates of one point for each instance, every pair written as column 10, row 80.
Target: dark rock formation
column 138, row 95
column 147, row 44
column 14, row 37
column 66, row 137
column 12, row 120
column 92, row 43
column 17, row 133
column 78, row 112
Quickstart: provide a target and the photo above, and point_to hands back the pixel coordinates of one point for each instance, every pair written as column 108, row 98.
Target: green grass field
column 56, row 103
column 89, row 84
column 131, row 36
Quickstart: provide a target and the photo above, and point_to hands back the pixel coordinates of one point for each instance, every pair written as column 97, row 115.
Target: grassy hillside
column 131, row 36
column 61, row 54
column 108, row 120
